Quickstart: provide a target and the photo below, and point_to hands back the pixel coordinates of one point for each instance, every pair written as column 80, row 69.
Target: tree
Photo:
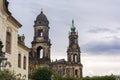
column 70, row 78
column 100, row 78
column 7, row 75
column 42, row 74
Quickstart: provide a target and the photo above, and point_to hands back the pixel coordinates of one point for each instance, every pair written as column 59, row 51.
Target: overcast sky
column 97, row 22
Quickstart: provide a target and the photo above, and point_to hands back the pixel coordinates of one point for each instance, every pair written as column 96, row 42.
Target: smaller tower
column 73, row 49
column 73, row 53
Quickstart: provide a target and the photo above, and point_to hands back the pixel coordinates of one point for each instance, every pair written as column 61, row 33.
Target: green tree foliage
column 91, row 78
column 56, row 76
column 68, row 78
column 41, row 74
column 100, row 78
column 45, row 74
column 7, row 75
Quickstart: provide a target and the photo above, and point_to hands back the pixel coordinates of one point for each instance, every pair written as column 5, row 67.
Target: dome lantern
column 73, row 27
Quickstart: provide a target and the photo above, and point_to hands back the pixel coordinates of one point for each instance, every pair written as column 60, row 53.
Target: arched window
column 24, row 62
column 71, row 57
column 40, row 52
column 76, row 41
column 72, row 41
column 8, row 42
column 19, row 60
column 76, row 72
column 40, row 33
column 75, row 58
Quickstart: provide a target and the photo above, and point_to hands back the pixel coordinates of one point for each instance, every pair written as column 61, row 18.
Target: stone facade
column 9, row 25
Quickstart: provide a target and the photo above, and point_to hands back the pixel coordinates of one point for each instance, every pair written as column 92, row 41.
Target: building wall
column 59, row 69
column 8, row 23
column 67, row 70
column 24, row 53
column 72, row 71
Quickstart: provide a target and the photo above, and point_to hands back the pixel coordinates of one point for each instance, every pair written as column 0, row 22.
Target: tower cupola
column 41, row 20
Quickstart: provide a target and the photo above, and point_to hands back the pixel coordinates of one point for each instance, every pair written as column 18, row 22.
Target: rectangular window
column 19, row 60
column 24, row 62
column 8, row 42
column 76, row 72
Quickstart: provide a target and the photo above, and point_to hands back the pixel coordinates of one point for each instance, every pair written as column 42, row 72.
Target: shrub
column 7, row 75
column 41, row 74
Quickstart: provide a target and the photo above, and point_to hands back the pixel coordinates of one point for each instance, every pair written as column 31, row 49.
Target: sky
column 97, row 23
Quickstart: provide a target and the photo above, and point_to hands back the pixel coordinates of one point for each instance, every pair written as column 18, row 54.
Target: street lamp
column 2, row 56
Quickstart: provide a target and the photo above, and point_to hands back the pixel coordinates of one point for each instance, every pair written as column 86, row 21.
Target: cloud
column 100, row 30
column 95, row 65
column 103, row 29
column 102, row 47
column 118, row 28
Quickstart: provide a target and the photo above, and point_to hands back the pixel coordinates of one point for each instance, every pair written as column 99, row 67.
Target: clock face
column 74, row 46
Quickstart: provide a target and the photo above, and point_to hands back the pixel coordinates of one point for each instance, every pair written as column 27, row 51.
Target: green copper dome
column 73, row 27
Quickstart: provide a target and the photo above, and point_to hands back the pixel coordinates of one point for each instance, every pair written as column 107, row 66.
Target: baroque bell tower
column 73, row 53
column 40, row 52
column 41, row 42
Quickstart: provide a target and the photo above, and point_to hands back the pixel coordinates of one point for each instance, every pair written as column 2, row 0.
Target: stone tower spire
column 73, row 52
column 73, row 49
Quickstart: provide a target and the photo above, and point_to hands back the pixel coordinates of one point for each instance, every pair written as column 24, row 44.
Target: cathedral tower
column 41, row 43
column 40, row 52
column 73, row 53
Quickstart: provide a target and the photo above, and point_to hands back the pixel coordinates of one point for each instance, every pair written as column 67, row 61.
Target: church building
column 23, row 60
column 40, row 52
